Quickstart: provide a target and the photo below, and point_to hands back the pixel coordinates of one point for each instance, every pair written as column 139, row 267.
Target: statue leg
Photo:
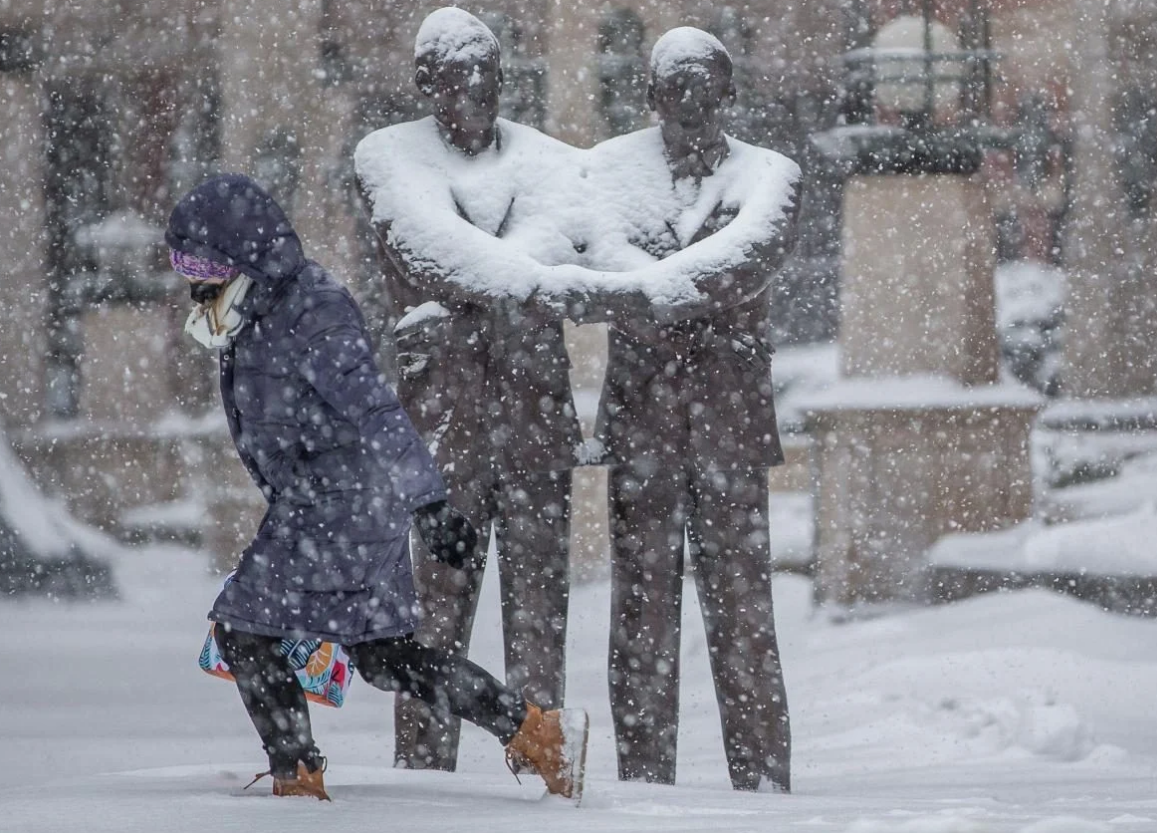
column 731, row 558
column 533, row 531
column 448, row 599
column 647, row 515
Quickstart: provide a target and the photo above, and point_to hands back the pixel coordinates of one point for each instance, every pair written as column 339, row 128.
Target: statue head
column 690, row 89
column 457, row 69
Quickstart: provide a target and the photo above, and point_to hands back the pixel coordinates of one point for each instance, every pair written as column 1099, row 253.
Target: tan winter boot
column 554, row 743
column 305, row 783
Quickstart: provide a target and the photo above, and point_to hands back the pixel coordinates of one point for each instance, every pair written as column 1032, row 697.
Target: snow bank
column 979, row 713
column 1121, row 545
column 1028, row 293
column 1103, row 414
column 951, row 824
column 1127, row 469
column 1030, row 723
column 1111, row 546
column 943, row 707
column 36, row 520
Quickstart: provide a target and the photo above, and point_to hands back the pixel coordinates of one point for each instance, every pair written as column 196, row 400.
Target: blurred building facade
column 111, row 110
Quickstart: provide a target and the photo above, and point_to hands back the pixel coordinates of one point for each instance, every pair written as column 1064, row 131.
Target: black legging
column 276, row 703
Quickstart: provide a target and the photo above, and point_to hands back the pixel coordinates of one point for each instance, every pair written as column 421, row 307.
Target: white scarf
column 214, row 324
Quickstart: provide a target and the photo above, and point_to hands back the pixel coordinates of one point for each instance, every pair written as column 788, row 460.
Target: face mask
column 204, row 293
column 215, row 322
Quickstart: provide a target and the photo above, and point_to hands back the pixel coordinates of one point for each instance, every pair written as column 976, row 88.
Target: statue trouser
column 723, row 515
column 530, row 516
column 276, row 702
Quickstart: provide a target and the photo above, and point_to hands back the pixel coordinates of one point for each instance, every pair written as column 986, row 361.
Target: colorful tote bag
column 324, row 669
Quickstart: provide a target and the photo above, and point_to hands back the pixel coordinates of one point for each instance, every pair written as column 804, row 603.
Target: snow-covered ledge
column 917, row 392
column 1121, row 545
column 1108, row 561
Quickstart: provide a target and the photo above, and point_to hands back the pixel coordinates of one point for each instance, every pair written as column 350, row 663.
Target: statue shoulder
column 523, row 140
column 646, row 142
column 396, row 144
column 632, row 161
column 747, row 157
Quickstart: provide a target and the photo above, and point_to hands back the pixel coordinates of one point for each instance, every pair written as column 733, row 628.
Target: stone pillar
column 279, row 109
column 571, row 110
column 1111, row 315
column 895, row 476
column 917, row 292
column 918, row 439
column 22, row 274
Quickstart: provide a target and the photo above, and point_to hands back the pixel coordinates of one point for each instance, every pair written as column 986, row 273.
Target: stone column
column 22, row 275
column 269, row 60
column 894, row 476
column 917, row 292
column 1111, row 318
column 918, row 439
column 571, row 105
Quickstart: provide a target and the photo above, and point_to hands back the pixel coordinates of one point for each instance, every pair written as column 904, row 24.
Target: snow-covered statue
column 687, row 418
column 672, row 235
column 484, row 378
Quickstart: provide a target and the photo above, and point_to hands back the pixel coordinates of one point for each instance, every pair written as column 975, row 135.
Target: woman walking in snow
column 344, row 471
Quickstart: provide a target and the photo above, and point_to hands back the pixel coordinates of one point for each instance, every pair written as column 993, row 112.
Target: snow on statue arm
column 729, row 247
column 454, row 252
column 430, row 238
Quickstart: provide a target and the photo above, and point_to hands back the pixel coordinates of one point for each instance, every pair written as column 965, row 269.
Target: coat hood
column 231, row 219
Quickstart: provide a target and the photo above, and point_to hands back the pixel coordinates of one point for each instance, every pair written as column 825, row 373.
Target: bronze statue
column 688, row 425
column 682, row 231
column 484, row 379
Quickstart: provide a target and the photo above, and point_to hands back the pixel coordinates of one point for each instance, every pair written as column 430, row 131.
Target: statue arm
column 421, row 235
column 467, row 266
column 719, row 286
column 717, row 270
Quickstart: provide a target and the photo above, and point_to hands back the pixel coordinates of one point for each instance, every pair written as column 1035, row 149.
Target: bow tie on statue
column 699, row 164
column 218, row 291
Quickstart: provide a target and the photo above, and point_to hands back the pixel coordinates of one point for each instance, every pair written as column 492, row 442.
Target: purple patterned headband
column 200, row 268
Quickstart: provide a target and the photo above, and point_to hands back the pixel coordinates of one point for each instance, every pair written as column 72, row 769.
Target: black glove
column 446, row 533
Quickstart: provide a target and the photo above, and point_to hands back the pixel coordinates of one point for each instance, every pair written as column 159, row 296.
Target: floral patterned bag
column 324, row 668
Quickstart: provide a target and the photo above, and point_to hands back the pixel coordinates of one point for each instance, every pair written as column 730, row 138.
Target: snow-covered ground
column 1015, row 712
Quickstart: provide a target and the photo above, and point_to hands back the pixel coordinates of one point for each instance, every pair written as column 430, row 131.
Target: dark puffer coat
column 320, row 431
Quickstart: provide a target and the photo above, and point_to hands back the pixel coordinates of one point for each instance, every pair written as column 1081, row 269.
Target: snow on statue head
column 454, row 36
column 458, row 69
column 687, row 48
column 691, row 85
